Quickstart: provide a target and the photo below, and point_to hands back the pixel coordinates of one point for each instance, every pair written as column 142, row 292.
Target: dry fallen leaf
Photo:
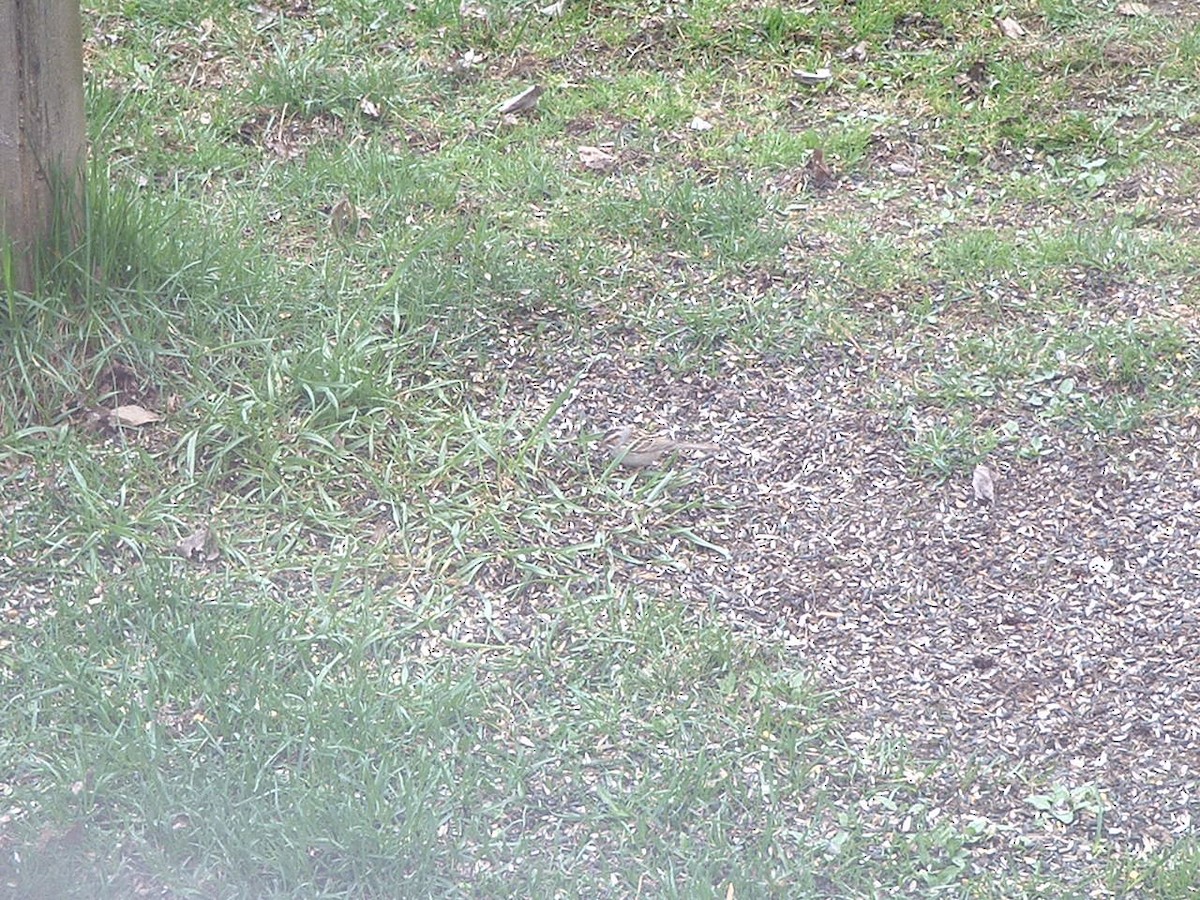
column 596, row 159
column 200, row 545
column 820, row 76
column 522, row 102
column 1133, row 10
column 700, row 124
column 1010, row 27
column 343, row 218
column 554, row 10
column 369, row 108
column 984, row 483
column 132, row 415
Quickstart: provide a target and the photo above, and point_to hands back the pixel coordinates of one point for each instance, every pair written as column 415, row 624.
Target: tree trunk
column 42, row 129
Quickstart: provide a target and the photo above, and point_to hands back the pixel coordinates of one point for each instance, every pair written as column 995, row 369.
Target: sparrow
column 629, row 447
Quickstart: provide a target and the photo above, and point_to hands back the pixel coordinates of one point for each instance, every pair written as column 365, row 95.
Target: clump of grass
column 111, row 283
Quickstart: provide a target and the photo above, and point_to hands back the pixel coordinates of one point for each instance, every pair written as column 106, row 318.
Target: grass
column 441, row 653
column 321, row 740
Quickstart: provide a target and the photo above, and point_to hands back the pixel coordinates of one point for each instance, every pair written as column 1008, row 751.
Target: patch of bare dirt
column 288, row 137
column 917, row 31
column 1177, row 10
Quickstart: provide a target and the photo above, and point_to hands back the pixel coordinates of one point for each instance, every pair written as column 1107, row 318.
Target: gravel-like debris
column 1046, row 639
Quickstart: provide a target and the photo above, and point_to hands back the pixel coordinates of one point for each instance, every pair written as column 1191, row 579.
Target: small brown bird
column 635, row 450
column 343, row 219
column 817, row 172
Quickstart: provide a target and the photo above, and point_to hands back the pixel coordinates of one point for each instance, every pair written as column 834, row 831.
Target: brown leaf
column 596, row 159
column 132, row 415
column 1010, row 27
column 1133, row 10
column 200, row 545
column 984, row 483
column 522, row 102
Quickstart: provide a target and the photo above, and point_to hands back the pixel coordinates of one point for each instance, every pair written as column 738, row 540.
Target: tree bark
column 42, row 128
